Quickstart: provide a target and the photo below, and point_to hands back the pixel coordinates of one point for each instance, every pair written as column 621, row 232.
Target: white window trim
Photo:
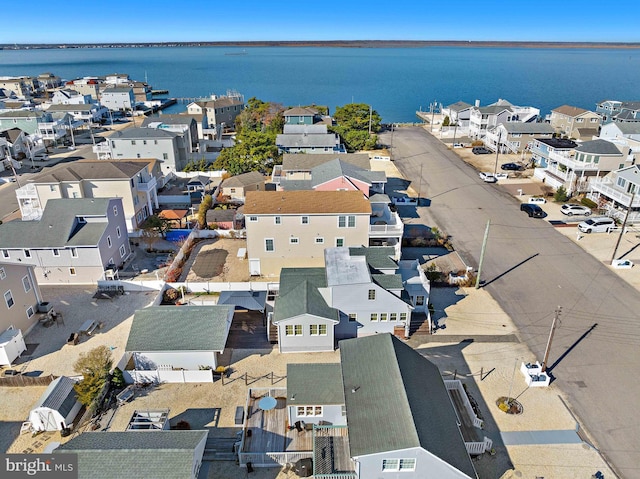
column 294, row 240
column 118, row 232
column 319, row 240
column 273, row 243
column 109, row 242
column 12, row 299
column 310, row 411
column 27, row 253
column 277, row 220
column 253, row 219
column 30, row 308
column 56, row 252
column 123, row 251
column 28, row 283
column 302, row 220
column 3, row 274
column 72, row 271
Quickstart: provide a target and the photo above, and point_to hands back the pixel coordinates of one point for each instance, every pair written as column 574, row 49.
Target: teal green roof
column 313, row 383
column 388, row 281
column 378, row 257
column 291, row 277
column 135, row 454
column 184, row 328
column 396, row 399
column 304, row 298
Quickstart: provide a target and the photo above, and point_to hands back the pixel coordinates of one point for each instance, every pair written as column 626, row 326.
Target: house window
column 407, row 464
column 5, row 253
column 253, row 219
column 268, row 244
column 353, row 317
column 27, row 253
column 3, row 275
column 319, row 240
column 297, row 330
column 232, row 190
column 56, row 252
column 8, row 298
column 372, row 294
column 390, row 464
column 165, row 156
column 115, row 211
column 419, row 300
column 374, row 316
column 132, row 183
column 75, row 194
column 318, row 329
column 309, row 411
column 621, row 183
column 123, row 251
column 383, row 316
column 52, row 187
column 118, row 231
column 277, row 220
column 294, row 240
column 304, row 220
column 109, row 241
column 144, row 142
column 393, row 316
column 342, row 221
column 74, row 253
column 30, row 311
column 339, row 242
column 293, row 330
column 72, row 271
column 133, row 142
column 26, row 284
column 351, row 221
column 403, row 316
column 155, row 142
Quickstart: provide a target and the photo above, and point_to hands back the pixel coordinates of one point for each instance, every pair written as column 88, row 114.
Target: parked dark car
column 534, row 211
column 480, row 150
column 512, row 167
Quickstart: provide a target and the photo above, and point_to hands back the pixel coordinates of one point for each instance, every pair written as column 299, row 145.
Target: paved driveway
column 531, row 269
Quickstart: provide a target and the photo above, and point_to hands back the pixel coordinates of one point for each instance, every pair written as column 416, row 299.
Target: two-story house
column 587, row 161
column 182, row 124
column 481, row 118
column 516, row 137
column 85, row 112
column 292, row 228
column 74, row 242
column 67, row 96
column 304, row 138
column 301, row 116
column 459, row 114
column 298, row 167
column 35, row 123
column 167, row 146
column 383, row 411
column 118, row 98
column 576, row 123
column 618, row 192
column 135, row 182
column 626, row 136
column 359, row 292
column 338, row 175
column 237, row 187
column 618, row 111
column 21, row 296
column 219, row 110
column 22, row 86
column 91, row 86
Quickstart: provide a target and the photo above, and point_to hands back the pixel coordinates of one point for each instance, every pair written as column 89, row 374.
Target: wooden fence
column 20, row 381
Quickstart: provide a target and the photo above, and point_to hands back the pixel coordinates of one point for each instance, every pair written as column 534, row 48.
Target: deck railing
column 457, row 385
column 272, row 459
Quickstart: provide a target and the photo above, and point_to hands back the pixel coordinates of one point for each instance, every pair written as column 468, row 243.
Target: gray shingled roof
column 168, row 120
column 302, row 162
column 141, row 133
column 629, row 128
column 396, row 399
column 313, row 383
column 303, row 298
column 598, row 147
column 492, row 109
column 58, row 227
column 89, row 170
column 117, row 89
column 184, row 328
column 317, row 129
column 244, row 179
column 290, row 185
column 307, row 141
column 630, row 173
column 65, row 108
column 378, row 257
column 459, row 106
column 528, row 128
column 337, row 168
column 299, row 111
column 139, row 454
column 59, row 396
column 388, row 281
column 21, row 114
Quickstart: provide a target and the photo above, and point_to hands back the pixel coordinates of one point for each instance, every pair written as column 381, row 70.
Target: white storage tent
column 57, row 407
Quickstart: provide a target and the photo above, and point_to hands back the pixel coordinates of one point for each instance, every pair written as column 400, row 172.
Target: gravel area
column 201, row 262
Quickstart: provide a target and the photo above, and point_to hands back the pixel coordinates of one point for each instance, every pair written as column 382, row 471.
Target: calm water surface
column 396, row 81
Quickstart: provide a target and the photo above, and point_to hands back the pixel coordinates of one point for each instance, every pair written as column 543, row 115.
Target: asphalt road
column 531, row 269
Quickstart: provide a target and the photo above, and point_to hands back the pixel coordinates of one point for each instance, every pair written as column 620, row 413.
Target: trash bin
column 304, row 467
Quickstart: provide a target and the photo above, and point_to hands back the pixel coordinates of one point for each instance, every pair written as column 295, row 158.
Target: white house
column 69, row 97
column 481, row 118
column 57, row 407
column 118, row 98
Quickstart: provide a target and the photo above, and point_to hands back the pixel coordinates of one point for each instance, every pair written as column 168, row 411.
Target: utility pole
column 484, row 247
column 495, row 170
column 433, row 112
column 73, row 140
column 370, row 114
column 420, row 184
column 556, row 317
column 624, row 224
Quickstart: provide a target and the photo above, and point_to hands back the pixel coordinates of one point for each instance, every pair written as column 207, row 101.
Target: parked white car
column 597, row 225
column 571, row 209
column 622, row 264
column 488, row 177
column 535, row 200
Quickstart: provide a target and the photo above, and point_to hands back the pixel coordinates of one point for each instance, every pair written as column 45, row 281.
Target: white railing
column 624, row 199
column 170, row 376
column 476, row 448
column 272, row 459
column 569, row 161
column 337, row 475
column 456, row 384
column 147, row 185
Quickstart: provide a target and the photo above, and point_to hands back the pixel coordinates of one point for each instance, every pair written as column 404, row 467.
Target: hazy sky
column 115, row 21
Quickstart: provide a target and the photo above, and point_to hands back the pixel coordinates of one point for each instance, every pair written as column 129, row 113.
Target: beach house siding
column 189, row 360
column 426, row 465
column 118, row 98
column 20, row 310
column 332, row 414
column 166, row 149
column 373, row 316
column 295, row 334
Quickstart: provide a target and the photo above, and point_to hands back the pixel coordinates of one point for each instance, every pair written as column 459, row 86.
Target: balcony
column 567, row 160
column 148, row 185
column 607, row 188
column 27, row 191
column 386, row 225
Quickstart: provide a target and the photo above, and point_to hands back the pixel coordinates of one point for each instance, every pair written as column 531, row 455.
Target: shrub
column 589, row 203
column 117, row 380
column 171, row 295
column 561, row 195
column 213, row 226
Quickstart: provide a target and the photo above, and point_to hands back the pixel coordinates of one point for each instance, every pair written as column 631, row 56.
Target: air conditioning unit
column 45, row 307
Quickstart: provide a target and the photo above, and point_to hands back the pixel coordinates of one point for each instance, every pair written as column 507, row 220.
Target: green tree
column 155, row 226
column 354, row 121
column 206, row 204
column 94, row 366
column 561, row 194
column 117, row 380
column 446, row 121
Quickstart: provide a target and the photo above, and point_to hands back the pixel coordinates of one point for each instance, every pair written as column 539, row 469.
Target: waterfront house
column 359, row 292
column 384, row 410
column 237, row 187
column 301, row 116
column 21, row 294
column 168, row 146
column 85, row 112
column 118, row 98
column 182, row 124
column 298, row 167
column 338, row 175
column 576, row 123
column 618, row 111
column 184, row 344
column 303, row 138
column 67, row 96
column 135, row 182
column 481, row 118
column 459, row 114
column 75, row 242
column 87, row 86
column 516, row 137
column 292, row 228
column 618, row 192
column 576, row 167
column 140, row 454
column 219, row 110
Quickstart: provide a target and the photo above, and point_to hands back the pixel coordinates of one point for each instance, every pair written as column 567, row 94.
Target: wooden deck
column 269, row 432
column 331, row 454
column 470, row 433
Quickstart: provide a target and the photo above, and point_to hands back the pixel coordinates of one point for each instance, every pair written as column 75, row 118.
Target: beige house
column 134, row 181
column 292, row 228
column 219, row 110
column 573, row 122
column 238, row 186
column 20, row 297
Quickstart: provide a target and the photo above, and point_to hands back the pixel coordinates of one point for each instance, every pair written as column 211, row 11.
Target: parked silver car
column 597, row 225
column 571, row 209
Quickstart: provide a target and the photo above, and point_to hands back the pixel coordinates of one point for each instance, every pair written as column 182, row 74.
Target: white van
column 597, row 225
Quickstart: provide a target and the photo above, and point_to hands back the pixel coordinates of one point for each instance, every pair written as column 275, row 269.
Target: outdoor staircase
column 273, row 334
column 419, row 324
column 219, row 449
